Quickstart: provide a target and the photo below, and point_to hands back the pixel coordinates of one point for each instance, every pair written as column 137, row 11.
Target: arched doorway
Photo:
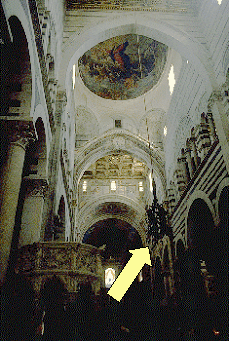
column 198, row 271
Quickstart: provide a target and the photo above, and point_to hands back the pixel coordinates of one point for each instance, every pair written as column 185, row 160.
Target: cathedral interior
column 114, row 137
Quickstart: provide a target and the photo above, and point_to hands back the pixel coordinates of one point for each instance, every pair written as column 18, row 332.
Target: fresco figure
column 118, row 55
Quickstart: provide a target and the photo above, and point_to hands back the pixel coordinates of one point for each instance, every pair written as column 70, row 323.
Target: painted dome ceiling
column 123, row 67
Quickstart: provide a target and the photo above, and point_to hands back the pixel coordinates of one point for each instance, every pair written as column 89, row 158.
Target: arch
column 41, row 149
column 203, row 196
column 223, row 206
column 20, row 82
column 36, row 154
column 222, row 185
column 118, row 237
column 179, row 248
column 16, row 9
column 134, row 215
column 109, row 277
column 159, row 30
column 201, row 231
column 39, row 113
column 114, row 141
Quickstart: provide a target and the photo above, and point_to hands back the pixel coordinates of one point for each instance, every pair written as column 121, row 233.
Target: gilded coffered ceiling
column 117, row 165
column 130, row 5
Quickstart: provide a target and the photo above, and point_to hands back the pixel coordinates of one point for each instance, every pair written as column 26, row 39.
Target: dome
column 123, row 67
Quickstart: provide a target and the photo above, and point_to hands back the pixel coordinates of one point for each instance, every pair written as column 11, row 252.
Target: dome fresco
column 123, row 67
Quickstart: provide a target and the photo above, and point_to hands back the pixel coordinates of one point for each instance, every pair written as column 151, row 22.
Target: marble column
column 32, row 211
column 20, row 134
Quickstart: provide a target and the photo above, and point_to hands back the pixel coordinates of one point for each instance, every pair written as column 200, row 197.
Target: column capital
column 35, row 187
column 61, row 101
column 215, row 96
column 21, row 133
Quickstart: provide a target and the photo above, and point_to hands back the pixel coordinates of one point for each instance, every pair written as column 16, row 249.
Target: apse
column 118, row 236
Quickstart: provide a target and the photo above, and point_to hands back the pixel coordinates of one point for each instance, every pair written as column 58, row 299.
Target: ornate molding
column 22, row 133
column 128, row 5
column 215, row 96
column 118, row 142
column 61, row 101
column 72, row 262
column 127, row 142
column 35, row 187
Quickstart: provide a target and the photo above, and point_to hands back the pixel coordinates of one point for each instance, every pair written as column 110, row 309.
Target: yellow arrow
column 128, row 274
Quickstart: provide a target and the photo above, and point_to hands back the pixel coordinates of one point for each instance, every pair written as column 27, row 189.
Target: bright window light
column 219, row 2
column 140, row 277
column 113, row 185
column 140, row 186
column 109, row 277
column 171, row 79
column 150, row 182
column 85, row 186
column 73, row 76
column 165, row 130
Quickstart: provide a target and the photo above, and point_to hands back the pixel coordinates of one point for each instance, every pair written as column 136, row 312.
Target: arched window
column 109, row 277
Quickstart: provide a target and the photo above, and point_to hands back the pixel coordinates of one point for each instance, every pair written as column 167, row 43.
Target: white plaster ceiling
column 131, row 111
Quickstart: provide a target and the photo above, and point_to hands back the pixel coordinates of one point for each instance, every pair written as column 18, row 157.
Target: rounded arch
column 109, row 277
column 16, row 9
column 200, row 229
column 20, row 75
column 41, row 149
column 39, row 114
column 223, row 206
column 114, row 141
column 159, row 30
column 118, row 235
column 125, row 209
column 179, row 248
column 201, row 196
column 223, row 184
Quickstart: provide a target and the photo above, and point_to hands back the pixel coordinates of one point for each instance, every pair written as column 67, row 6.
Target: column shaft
column 20, row 133
column 10, row 192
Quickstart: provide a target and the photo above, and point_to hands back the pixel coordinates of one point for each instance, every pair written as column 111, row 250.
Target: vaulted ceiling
column 117, row 64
